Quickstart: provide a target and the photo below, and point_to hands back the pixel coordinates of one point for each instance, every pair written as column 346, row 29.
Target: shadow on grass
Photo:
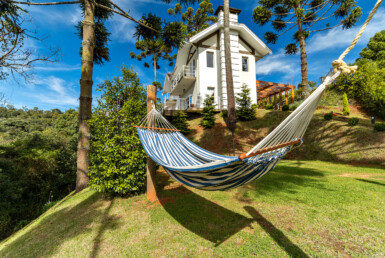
column 291, row 249
column 216, row 223
column 370, row 181
column 43, row 238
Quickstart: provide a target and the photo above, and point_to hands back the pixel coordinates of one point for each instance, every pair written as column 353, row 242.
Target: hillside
column 324, row 140
column 302, row 209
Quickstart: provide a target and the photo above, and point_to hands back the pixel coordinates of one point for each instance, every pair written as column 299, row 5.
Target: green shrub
column 244, row 111
column 353, row 121
column 379, row 127
column 328, row 116
column 118, row 161
column 180, row 122
column 254, row 107
column 285, row 108
column 345, row 104
column 269, row 106
column 208, row 115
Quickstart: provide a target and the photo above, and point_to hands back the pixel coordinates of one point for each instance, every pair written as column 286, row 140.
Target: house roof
column 247, row 35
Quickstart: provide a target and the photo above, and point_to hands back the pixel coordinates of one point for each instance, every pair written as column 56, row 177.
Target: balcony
column 184, row 78
column 171, row 104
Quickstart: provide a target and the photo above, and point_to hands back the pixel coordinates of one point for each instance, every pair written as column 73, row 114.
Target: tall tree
column 15, row 57
column 305, row 16
column 375, row 50
column 195, row 21
column 91, row 9
column 231, row 122
column 153, row 44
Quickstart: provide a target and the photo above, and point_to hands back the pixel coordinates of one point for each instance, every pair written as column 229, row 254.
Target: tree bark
column 85, row 100
column 302, row 44
column 231, row 123
column 154, row 68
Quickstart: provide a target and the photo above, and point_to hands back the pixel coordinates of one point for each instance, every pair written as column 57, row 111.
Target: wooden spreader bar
column 156, row 128
column 264, row 150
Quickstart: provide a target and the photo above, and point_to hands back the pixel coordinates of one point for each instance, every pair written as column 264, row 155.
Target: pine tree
column 208, row 114
column 375, row 49
column 180, row 122
column 244, row 110
column 285, row 15
column 195, row 21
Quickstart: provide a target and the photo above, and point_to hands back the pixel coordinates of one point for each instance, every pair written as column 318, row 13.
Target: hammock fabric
column 193, row 166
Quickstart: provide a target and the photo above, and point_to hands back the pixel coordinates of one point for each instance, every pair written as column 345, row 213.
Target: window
column 210, row 59
column 245, row 67
column 210, row 91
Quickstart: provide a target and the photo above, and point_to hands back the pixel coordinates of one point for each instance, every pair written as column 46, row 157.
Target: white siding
column 208, row 77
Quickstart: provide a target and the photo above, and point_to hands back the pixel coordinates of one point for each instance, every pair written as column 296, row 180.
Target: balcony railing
column 185, row 70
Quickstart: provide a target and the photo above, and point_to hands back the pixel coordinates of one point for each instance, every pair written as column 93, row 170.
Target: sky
column 56, row 85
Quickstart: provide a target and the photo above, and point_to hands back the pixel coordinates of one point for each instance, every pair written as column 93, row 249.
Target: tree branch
column 126, row 16
column 49, row 3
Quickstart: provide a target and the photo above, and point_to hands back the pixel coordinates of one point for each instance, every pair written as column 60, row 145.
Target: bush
column 225, row 114
column 244, row 111
column 380, row 127
column 345, row 104
column 285, row 108
column 180, row 122
column 118, row 161
column 353, row 121
column 208, row 115
column 328, row 116
column 269, row 106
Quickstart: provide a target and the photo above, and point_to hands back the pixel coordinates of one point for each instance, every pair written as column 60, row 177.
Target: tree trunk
column 85, row 99
column 229, row 71
column 302, row 44
column 154, row 68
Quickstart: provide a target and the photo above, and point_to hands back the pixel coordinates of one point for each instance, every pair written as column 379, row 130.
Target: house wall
column 248, row 77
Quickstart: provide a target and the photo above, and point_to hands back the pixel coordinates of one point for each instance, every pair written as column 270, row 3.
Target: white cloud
column 56, row 15
column 287, row 66
column 339, row 38
column 58, row 67
column 59, row 92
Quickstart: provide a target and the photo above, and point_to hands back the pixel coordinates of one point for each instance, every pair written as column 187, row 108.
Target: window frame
column 247, row 63
column 207, row 59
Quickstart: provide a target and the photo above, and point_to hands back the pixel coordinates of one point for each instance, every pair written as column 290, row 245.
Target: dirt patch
column 362, row 176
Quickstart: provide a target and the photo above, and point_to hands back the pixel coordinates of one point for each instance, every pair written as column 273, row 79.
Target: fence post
column 151, row 166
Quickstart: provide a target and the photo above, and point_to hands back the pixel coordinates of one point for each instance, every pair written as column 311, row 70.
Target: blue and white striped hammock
column 193, row 166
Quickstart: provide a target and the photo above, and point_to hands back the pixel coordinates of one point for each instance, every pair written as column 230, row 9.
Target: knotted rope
column 339, row 64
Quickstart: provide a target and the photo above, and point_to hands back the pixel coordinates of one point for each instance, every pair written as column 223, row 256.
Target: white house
column 200, row 65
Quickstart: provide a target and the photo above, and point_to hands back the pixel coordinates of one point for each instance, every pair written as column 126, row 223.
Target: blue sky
column 57, row 85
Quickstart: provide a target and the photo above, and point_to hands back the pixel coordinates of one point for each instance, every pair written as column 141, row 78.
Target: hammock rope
column 194, row 166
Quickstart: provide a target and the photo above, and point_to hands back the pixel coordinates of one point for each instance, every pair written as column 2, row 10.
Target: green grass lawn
column 302, row 208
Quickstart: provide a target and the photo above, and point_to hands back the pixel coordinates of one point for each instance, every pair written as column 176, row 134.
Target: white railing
column 175, row 103
column 185, row 70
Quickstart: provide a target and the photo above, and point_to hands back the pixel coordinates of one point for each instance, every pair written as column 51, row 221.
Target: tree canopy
column 304, row 18
column 375, row 49
column 195, row 21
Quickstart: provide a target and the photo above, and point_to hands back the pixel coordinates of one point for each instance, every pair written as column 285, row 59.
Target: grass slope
column 333, row 140
column 310, row 208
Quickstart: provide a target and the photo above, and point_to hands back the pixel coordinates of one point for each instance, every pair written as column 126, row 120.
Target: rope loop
column 340, row 65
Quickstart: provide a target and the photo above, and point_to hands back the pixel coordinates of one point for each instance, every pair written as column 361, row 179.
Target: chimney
column 233, row 13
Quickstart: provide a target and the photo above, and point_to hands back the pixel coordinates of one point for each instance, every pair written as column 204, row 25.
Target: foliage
column 244, row 111
column 328, row 116
column 285, row 108
column 286, row 15
column 367, row 85
column 37, row 162
column 180, row 121
column 198, row 21
column 345, row 105
column 118, row 160
column 353, row 121
column 375, row 49
column 101, row 51
column 157, row 45
column 379, row 127
column 269, row 106
column 208, row 115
